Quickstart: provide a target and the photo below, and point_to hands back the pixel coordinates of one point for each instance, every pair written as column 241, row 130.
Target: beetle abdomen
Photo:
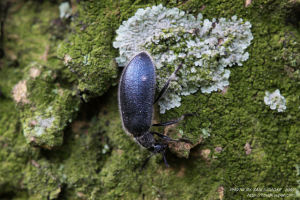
column 136, row 94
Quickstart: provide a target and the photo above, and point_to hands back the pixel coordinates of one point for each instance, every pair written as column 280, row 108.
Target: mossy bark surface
column 60, row 132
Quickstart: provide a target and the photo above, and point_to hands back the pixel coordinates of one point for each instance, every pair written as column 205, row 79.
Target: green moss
column 14, row 151
column 122, row 176
column 41, row 181
column 49, row 102
column 88, row 50
column 49, row 107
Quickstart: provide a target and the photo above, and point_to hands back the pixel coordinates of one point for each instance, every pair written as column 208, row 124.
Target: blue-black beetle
column 136, row 99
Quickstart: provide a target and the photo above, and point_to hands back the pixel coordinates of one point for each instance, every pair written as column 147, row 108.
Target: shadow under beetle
column 136, row 98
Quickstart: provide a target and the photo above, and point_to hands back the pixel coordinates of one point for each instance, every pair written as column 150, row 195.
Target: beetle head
column 159, row 148
column 148, row 141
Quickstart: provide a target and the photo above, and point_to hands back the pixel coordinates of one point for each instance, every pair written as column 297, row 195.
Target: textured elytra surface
column 136, row 94
column 97, row 160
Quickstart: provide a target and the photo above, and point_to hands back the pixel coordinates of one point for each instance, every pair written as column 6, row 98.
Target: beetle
column 136, row 98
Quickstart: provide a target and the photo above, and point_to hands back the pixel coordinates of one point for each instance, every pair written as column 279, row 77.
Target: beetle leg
column 170, row 139
column 164, row 136
column 173, row 121
column 167, row 123
column 165, row 159
column 166, row 86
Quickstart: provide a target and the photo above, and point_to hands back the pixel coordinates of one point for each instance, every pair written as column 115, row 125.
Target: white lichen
column 39, row 125
column 42, row 125
column 275, row 100
column 172, row 37
column 65, row 10
column 205, row 133
column 105, row 149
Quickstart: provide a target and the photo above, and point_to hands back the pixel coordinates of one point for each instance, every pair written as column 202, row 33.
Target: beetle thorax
column 146, row 140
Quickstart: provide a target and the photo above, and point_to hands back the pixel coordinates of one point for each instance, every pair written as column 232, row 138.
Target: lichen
column 65, row 10
column 275, row 100
column 204, row 48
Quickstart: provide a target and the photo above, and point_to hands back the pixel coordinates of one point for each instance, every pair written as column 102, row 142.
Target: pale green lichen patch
column 204, row 48
column 43, row 124
column 65, row 10
column 275, row 100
